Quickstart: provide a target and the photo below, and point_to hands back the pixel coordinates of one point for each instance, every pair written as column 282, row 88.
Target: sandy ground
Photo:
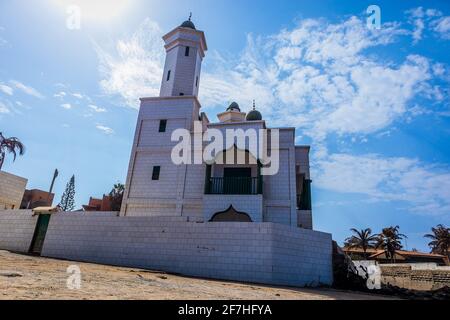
column 35, row 278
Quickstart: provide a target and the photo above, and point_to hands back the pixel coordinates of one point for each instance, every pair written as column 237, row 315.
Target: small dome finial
column 234, row 107
column 190, row 16
column 254, row 115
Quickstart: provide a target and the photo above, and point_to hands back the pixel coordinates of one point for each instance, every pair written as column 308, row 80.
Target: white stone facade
column 182, row 190
column 251, row 252
column 16, row 230
column 12, row 189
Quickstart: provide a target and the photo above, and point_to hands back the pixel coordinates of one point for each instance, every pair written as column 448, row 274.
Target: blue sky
column 373, row 104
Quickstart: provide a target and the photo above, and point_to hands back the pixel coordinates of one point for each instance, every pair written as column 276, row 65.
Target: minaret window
column 168, row 75
column 162, row 126
column 186, row 52
column 196, row 82
column 156, row 172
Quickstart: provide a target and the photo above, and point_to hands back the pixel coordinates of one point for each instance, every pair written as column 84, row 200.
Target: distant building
column 401, row 256
column 103, row 205
column 12, row 189
column 37, row 198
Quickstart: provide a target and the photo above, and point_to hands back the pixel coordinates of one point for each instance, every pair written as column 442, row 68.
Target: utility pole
column 55, row 175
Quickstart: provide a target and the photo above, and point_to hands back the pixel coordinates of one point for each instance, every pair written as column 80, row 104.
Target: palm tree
column 116, row 196
column 440, row 240
column 10, row 145
column 390, row 240
column 363, row 239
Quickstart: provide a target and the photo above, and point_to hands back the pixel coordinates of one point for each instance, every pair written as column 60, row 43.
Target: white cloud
column 2, row 41
column 6, row 89
column 3, row 108
column 66, row 106
column 26, row 89
column 60, row 94
column 104, row 129
column 319, row 77
column 428, row 19
column 135, row 70
column 96, row 108
column 316, row 76
column 426, row 188
column 78, row 95
column 442, row 27
column 417, row 19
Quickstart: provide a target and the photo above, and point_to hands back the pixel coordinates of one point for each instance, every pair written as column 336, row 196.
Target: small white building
column 12, row 189
column 210, row 191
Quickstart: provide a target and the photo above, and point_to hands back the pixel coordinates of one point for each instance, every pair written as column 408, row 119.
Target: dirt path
column 25, row 277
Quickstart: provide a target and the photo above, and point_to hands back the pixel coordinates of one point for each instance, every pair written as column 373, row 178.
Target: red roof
column 377, row 252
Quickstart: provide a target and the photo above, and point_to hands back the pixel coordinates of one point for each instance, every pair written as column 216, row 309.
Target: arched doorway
column 231, row 215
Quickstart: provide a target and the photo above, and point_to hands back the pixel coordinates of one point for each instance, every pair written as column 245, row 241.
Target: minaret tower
column 185, row 49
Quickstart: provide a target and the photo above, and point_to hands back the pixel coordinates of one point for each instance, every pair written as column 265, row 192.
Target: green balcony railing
column 234, row 186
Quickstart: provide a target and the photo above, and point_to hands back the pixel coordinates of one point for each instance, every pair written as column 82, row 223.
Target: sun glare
column 98, row 10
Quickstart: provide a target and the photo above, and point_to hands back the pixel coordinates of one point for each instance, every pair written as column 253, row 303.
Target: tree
column 10, row 145
column 440, row 243
column 390, row 240
column 68, row 198
column 361, row 239
column 116, row 196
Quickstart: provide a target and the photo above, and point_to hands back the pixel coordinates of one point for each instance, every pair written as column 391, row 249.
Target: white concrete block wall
column 142, row 185
column 12, row 189
column 151, row 137
column 249, row 204
column 302, row 160
column 16, row 230
column 178, row 186
column 194, row 184
column 252, row 252
column 184, row 77
column 277, row 187
column 184, row 70
column 307, row 250
column 278, row 215
column 305, row 219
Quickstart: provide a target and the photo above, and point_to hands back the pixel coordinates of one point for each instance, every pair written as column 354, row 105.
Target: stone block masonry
column 16, row 230
column 12, row 189
column 250, row 252
column 406, row 276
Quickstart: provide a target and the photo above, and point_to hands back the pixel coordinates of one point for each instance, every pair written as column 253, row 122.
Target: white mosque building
column 210, row 191
column 208, row 219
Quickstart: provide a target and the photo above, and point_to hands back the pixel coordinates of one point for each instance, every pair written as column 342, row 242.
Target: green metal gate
column 39, row 234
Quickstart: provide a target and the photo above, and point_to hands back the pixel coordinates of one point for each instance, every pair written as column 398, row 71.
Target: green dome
column 254, row 115
column 234, row 106
column 188, row 24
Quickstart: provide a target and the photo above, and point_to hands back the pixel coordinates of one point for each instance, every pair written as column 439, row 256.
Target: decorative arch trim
column 234, row 146
column 231, row 215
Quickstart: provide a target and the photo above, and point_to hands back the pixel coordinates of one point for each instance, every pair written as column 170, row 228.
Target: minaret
column 185, row 50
